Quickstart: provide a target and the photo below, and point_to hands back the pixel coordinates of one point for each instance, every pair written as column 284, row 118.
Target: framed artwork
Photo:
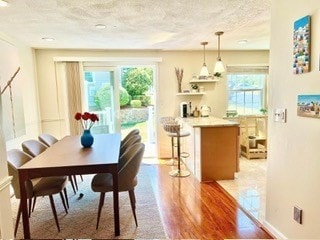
column 301, row 45
column 10, row 82
column 308, row 105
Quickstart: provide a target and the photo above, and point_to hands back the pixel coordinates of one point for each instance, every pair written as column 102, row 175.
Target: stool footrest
column 184, row 154
column 179, row 173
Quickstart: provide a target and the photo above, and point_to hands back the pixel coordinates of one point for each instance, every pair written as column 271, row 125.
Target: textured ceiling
column 138, row 24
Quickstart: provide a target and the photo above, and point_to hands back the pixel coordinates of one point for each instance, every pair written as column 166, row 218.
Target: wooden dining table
column 68, row 157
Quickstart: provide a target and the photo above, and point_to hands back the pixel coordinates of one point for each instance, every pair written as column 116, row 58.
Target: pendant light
column 218, row 68
column 3, row 3
column 204, row 73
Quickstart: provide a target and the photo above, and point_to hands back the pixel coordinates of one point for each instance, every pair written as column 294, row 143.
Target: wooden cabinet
column 253, row 136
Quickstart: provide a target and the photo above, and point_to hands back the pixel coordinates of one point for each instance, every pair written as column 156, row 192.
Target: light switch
column 280, row 115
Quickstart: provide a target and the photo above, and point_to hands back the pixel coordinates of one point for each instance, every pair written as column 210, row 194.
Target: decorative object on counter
column 218, row 68
column 205, row 111
column 204, row 73
column 263, row 111
column 179, row 75
column 87, row 121
column 194, row 87
column 231, row 113
column 196, row 112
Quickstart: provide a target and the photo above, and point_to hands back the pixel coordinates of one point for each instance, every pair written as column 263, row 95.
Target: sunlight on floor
column 249, row 187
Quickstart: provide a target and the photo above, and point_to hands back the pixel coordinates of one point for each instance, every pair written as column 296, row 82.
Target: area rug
column 81, row 220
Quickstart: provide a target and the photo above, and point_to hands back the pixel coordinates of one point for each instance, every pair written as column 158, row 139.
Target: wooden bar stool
column 174, row 130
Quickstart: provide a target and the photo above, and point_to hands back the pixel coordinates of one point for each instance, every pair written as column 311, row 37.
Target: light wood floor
column 194, row 210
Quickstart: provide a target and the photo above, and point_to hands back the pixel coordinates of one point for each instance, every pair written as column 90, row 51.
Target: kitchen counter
column 213, row 147
column 208, row 122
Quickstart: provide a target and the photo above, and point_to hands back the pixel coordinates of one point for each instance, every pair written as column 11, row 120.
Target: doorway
column 124, row 99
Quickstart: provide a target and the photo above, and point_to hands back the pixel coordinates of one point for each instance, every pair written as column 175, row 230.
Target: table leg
column 24, row 206
column 116, row 204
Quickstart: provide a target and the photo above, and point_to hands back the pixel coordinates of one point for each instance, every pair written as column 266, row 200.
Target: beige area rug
column 81, row 220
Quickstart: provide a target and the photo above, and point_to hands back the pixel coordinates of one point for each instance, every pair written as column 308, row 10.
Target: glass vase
column 87, row 139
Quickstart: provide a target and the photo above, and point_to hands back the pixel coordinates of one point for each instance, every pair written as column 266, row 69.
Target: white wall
column 30, row 100
column 293, row 159
column 168, row 102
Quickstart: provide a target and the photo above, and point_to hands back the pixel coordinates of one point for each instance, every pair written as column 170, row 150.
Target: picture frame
column 308, row 105
column 301, row 45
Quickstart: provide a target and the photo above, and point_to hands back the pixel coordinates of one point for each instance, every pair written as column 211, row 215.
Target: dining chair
column 127, row 178
column 46, row 186
column 132, row 140
column 47, row 139
column 34, row 148
column 130, row 134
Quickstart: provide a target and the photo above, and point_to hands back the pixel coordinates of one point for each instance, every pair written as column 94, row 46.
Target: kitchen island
column 213, row 147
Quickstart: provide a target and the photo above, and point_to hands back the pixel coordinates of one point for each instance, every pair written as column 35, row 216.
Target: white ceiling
column 138, row 24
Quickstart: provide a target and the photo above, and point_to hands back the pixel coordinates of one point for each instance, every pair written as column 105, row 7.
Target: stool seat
column 182, row 133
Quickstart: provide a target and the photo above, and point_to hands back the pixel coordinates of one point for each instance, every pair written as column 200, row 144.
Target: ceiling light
column 48, row 39
column 219, row 65
column 100, row 26
column 243, row 41
column 3, row 3
column 204, row 73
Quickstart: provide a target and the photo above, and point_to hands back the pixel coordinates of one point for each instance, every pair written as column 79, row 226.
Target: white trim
column 275, row 232
column 107, row 59
column 5, row 182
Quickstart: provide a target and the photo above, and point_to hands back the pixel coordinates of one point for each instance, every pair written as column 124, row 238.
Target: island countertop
column 208, row 122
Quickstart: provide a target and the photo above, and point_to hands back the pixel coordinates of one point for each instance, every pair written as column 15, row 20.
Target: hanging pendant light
column 204, row 73
column 218, row 68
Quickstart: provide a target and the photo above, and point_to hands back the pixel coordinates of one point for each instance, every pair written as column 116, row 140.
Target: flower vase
column 87, row 139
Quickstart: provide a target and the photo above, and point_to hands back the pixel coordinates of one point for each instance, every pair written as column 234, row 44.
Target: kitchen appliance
column 183, row 109
column 205, row 111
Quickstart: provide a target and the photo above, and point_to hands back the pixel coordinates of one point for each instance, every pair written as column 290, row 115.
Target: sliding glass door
column 101, row 96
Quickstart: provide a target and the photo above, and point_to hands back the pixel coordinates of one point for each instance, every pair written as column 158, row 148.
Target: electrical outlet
column 297, row 214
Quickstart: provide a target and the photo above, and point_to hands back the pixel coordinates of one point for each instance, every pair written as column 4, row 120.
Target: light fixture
column 204, row 73
column 3, row 3
column 218, row 68
column 48, row 39
column 100, row 26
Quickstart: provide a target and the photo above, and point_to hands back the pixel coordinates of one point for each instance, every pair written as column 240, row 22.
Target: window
column 246, row 90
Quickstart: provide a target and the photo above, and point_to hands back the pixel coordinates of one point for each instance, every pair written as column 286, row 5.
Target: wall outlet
column 297, row 214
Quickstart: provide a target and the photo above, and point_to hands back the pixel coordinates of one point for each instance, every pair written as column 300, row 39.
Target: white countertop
column 208, row 122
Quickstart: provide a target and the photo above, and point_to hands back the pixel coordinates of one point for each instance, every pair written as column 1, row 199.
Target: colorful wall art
column 301, row 45
column 308, row 105
column 10, row 82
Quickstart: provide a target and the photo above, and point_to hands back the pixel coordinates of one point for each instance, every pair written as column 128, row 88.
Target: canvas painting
column 309, row 105
column 12, row 102
column 301, row 45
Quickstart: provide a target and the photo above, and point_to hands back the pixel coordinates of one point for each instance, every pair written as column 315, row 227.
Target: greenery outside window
column 247, row 90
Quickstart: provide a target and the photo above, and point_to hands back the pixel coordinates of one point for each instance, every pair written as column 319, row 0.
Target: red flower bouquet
column 87, row 119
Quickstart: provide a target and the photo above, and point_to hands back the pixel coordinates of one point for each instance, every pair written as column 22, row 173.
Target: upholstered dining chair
column 46, row 186
column 34, row 148
column 132, row 140
column 127, row 178
column 47, row 139
column 130, row 134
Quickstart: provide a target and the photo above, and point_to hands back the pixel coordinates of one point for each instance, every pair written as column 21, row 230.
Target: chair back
column 33, row 147
column 130, row 165
column 47, row 139
column 130, row 134
column 16, row 158
column 132, row 140
column 172, row 128
column 164, row 120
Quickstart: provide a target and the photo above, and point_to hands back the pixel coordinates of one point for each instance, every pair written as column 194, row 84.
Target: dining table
column 68, row 157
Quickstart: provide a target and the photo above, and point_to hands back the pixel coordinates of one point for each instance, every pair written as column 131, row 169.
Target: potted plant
column 217, row 75
column 194, row 87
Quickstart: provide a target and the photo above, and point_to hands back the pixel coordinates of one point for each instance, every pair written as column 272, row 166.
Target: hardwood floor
column 190, row 209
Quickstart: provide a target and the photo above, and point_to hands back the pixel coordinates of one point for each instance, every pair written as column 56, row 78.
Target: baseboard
column 5, row 182
column 273, row 230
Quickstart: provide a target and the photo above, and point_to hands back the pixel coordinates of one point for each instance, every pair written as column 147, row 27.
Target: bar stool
column 168, row 120
column 174, row 131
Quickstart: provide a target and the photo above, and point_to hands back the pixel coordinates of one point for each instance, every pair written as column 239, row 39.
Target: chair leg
column 101, row 202
column 54, row 211
column 133, row 205
column 34, row 203
column 66, row 196
column 72, row 184
column 30, row 206
column 63, row 202
column 81, row 178
column 18, row 219
column 75, row 182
